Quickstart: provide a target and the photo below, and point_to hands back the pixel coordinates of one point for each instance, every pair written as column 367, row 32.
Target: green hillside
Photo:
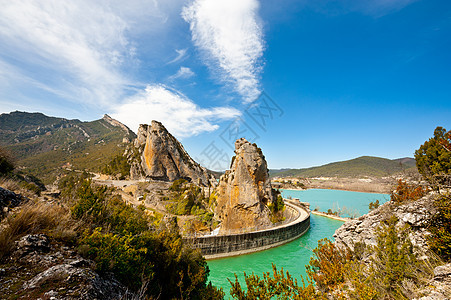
column 357, row 167
column 43, row 144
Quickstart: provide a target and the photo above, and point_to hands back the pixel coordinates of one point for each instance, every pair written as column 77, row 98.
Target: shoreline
column 333, row 189
column 318, row 213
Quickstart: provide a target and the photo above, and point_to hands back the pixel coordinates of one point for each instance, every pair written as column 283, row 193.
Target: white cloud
column 79, row 49
column 183, row 73
column 181, row 55
column 181, row 116
column 229, row 34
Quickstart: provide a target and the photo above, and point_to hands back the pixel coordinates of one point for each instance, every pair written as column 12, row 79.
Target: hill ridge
column 356, row 167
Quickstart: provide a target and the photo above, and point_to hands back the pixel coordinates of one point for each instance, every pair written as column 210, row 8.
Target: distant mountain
column 357, row 167
column 407, row 161
column 42, row 144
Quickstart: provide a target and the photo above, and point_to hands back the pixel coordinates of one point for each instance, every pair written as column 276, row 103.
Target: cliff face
column 245, row 190
column 156, row 154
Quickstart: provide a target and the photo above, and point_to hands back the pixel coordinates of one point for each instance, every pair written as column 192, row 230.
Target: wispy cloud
column 183, row 73
column 230, row 36
column 81, row 52
column 181, row 55
column 77, row 49
column 180, row 115
column 379, row 8
column 374, row 8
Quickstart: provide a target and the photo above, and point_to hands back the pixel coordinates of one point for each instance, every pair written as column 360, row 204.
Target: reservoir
column 295, row 255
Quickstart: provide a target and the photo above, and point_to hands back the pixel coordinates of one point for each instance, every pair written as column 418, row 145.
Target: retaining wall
column 237, row 244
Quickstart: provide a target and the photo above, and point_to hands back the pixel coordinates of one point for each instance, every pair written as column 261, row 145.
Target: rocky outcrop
column 439, row 288
column 8, row 200
column 245, row 190
column 116, row 123
column 39, row 268
column 158, row 155
column 416, row 214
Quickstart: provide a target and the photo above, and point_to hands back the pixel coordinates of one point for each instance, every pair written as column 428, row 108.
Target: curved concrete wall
column 237, row 244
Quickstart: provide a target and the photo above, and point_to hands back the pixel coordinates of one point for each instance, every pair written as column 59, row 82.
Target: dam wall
column 217, row 246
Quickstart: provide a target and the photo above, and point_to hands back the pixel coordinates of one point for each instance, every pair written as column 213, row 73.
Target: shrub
column 326, row 267
column 177, row 185
column 171, row 270
column 407, row 192
column 277, row 286
column 373, row 205
column 6, row 162
column 434, row 158
column 440, row 239
column 118, row 166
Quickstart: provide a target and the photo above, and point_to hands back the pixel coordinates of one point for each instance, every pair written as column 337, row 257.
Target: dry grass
column 36, row 217
column 9, row 184
column 16, row 187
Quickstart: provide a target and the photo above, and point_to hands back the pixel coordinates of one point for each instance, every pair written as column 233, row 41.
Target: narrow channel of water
column 295, row 255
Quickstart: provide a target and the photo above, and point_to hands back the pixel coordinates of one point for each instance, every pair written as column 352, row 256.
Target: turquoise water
column 295, row 255
column 334, row 199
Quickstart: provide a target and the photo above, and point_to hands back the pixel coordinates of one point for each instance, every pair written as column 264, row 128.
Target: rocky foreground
column 416, row 217
column 38, row 268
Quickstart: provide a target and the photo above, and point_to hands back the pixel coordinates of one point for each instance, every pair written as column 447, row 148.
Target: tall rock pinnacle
column 159, row 155
column 245, row 190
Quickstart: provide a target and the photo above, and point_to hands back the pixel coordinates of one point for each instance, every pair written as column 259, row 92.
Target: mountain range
column 357, row 167
column 41, row 144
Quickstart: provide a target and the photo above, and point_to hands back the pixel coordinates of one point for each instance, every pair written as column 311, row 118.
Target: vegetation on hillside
column 118, row 167
column 358, row 167
column 15, row 179
column 121, row 239
column 188, row 199
column 43, row 145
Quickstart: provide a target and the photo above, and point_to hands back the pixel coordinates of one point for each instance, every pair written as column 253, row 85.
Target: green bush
column 118, row 166
column 434, row 158
column 6, row 162
column 440, row 227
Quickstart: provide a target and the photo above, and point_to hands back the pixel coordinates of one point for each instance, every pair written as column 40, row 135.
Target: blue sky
column 344, row 78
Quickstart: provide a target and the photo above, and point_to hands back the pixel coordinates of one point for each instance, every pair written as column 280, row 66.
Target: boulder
column 245, row 190
column 8, row 200
column 87, row 283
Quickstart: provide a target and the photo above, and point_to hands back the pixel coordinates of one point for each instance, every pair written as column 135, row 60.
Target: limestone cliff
column 158, row 155
column 245, row 190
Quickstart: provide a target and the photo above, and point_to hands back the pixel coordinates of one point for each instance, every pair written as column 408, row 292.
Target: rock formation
column 245, row 190
column 416, row 215
column 157, row 155
column 38, row 267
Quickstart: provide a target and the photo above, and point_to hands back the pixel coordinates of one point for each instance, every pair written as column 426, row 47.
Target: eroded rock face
column 416, row 214
column 245, row 190
column 157, row 155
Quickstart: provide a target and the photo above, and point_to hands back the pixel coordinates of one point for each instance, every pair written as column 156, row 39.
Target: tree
column 6, row 162
column 434, row 158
